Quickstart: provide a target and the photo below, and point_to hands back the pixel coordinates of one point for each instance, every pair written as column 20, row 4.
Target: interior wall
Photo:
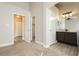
column 36, row 9
column 39, row 10
column 66, row 7
column 52, row 17
column 49, row 36
column 74, row 22
column 7, row 12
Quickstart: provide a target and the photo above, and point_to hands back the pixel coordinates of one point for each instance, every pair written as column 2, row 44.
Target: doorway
column 18, row 28
column 33, row 29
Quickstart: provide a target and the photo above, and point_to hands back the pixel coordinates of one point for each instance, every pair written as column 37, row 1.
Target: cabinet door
column 60, row 36
column 71, row 38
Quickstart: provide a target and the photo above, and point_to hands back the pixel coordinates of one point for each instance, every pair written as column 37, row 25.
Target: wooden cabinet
column 67, row 37
column 60, row 36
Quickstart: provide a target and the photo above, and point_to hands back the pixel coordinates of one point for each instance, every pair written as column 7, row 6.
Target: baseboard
column 6, row 44
column 52, row 42
column 38, row 42
column 48, row 45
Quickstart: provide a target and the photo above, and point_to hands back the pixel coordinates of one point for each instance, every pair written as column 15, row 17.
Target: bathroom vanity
column 67, row 37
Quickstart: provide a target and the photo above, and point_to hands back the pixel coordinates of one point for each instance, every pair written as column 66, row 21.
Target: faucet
column 66, row 29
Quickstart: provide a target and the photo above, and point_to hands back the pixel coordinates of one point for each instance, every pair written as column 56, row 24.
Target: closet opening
column 18, row 28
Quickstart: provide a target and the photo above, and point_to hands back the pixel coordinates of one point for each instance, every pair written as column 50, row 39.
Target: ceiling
column 67, row 4
column 18, row 4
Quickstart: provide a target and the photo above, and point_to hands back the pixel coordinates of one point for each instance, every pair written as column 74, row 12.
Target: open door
column 33, row 28
column 26, row 28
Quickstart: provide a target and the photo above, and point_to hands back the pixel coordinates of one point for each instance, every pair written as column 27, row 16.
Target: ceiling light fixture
column 67, row 15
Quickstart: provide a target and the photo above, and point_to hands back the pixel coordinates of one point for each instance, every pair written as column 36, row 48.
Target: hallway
column 22, row 48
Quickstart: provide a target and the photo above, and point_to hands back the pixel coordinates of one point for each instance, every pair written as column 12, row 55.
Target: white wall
column 36, row 9
column 74, row 19
column 74, row 22
column 52, row 25
column 66, row 7
column 51, row 30
column 42, row 16
column 49, row 26
column 6, row 22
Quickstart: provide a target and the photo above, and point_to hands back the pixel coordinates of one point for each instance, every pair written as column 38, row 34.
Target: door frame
column 13, row 25
column 21, row 24
column 34, row 27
